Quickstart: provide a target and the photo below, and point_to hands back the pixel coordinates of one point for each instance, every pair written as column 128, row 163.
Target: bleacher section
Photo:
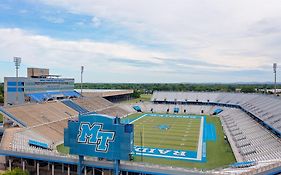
column 162, row 108
column 51, row 131
column 265, row 108
column 12, row 117
column 101, row 105
column 93, row 103
column 8, row 137
column 114, row 111
column 38, row 114
column 48, row 120
column 250, row 139
column 74, row 106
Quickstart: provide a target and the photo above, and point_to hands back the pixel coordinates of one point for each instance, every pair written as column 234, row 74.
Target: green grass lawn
column 63, row 149
column 143, row 97
column 219, row 153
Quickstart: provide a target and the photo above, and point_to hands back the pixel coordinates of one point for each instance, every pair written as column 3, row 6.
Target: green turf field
column 219, row 153
column 178, row 133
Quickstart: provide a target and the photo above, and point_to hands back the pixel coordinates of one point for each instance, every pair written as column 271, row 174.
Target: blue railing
column 75, row 106
column 38, row 144
column 243, row 164
column 13, row 117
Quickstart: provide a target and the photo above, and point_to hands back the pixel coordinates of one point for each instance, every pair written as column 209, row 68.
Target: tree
column 248, row 89
column 136, row 94
column 1, row 99
column 1, row 89
column 16, row 171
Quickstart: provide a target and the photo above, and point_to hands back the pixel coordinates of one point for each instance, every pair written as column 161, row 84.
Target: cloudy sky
column 143, row 41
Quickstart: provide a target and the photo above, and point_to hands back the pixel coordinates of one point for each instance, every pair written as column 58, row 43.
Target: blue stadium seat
column 137, row 108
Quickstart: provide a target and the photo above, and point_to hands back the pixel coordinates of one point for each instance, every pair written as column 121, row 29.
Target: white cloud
column 52, row 19
column 96, row 21
column 210, row 31
column 37, row 50
column 221, row 36
column 112, row 59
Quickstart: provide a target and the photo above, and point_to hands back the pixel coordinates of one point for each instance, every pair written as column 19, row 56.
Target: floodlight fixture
column 81, row 85
column 274, row 71
column 17, row 61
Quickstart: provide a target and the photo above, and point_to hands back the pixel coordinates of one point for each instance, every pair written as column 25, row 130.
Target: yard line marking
column 200, row 140
column 138, row 118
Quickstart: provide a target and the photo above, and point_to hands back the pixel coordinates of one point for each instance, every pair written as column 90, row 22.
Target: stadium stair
column 75, row 106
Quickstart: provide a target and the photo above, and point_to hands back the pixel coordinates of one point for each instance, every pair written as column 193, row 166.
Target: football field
column 171, row 136
column 167, row 133
column 180, row 140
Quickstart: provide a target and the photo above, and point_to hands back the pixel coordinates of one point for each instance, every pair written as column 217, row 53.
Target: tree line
column 150, row 87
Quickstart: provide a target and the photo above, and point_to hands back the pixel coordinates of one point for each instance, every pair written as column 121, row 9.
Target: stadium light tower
column 274, row 71
column 17, row 61
column 81, row 86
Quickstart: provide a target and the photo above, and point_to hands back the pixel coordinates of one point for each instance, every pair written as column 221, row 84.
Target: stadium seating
column 12, row 117
column 38, row 114
column 93, row 103
column 264, row 107
column 162, row 108
column 252, row 141
column 114, row 111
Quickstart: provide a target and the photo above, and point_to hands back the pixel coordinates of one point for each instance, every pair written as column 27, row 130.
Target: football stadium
column 49, row 127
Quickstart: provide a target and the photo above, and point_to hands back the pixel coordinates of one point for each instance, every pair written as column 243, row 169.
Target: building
column 38, row 86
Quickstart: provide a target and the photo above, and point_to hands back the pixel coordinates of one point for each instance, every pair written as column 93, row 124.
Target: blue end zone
column 177, row 154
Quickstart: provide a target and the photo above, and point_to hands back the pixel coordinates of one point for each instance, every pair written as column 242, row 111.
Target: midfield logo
column 93, row 134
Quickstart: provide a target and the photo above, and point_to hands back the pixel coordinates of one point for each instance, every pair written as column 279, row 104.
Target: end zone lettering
column 166, row 153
